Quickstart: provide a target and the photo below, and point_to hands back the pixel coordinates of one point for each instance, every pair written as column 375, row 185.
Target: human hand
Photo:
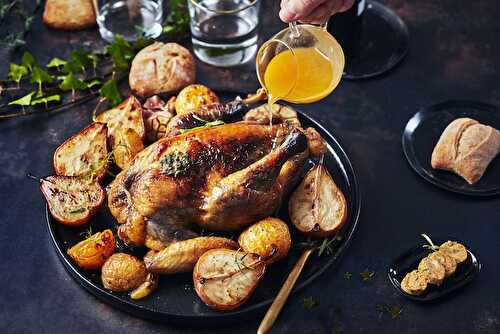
column 312, row 11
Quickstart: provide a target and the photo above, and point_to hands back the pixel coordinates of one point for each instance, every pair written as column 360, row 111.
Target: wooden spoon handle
column 282, row 296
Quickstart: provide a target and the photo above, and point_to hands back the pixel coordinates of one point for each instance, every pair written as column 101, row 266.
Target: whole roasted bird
column 220, row 178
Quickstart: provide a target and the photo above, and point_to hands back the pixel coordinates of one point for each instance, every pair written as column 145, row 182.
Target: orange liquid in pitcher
column 308, row 76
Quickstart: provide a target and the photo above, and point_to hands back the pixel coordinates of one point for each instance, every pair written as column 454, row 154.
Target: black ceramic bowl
column 409, row 261
column 422, row 132
column 175, row 299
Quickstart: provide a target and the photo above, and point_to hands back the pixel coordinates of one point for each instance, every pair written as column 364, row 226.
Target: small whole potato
column 92, row 252
column 269, row 238
column 123, row 272
column 194, row 97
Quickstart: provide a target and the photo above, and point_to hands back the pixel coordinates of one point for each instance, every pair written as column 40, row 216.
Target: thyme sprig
column 430, row 245
column 323, row 246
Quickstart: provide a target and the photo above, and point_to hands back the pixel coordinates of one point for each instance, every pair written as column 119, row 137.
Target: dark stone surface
column 454, row 52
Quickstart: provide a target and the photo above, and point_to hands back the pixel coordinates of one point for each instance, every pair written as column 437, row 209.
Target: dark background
column 454, row 53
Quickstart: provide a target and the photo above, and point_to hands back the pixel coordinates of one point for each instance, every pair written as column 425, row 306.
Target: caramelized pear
column 84, row 154
column 317, row 207
column 71, row 200
column 224, row 279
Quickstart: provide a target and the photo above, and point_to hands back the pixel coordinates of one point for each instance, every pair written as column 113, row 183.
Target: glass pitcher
column 301, row 64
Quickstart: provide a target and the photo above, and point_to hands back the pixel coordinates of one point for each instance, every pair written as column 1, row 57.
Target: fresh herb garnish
column 430, row 245
column 175, row 164
column 309, row 303
column 206, row 124
column 347, row 275
column 367, row 275
column 79, row 210
column 87, row 233
column 324, row 246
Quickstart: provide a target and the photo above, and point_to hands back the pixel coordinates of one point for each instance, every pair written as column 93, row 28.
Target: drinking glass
column 129, row 18
column 224, row 32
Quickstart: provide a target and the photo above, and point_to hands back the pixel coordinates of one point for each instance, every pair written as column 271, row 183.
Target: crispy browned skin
column 227, row 177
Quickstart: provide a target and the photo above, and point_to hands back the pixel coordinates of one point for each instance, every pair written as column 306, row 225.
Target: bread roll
column 466, row 148
column 69, row 14
column 161, row 68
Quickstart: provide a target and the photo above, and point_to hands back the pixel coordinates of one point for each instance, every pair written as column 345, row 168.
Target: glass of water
column 224, row 32
column 129, row 18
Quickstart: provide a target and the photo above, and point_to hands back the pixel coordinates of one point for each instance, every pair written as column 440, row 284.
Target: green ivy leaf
column 93, row 83
column 23, row 101
column 142, row 42
column 28, row 60
column 82, row 58
column 17, row 72
column 72, row 83
column 122, row 53
column 56, row 62
column 111, row 92
column 46, row 100
column 39, row 77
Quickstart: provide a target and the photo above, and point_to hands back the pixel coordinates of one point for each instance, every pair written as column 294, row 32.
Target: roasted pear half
column 71, row 200
column 84, row 154
column 181, row 256
column 125, row 127
column 224, row 279
column 317, row 207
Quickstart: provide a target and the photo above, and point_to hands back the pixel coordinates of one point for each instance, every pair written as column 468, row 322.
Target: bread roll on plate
column 466, row 148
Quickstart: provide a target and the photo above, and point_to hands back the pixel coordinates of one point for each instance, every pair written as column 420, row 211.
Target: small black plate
column 175, row 299
column 409, row 261
column 423, row 131
column 383, row 44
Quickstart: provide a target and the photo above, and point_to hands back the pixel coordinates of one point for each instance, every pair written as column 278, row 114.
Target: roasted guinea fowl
column 220, row 178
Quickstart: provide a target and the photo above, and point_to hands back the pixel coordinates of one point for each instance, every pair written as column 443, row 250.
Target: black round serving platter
column 422, row 132
column 409, row 261
column 175, row 299
column 383, row 43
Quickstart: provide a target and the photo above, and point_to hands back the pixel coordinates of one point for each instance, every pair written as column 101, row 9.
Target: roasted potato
column 269, row 238
column 317, row 207
column 146, row 288
column 224, row 279
column 123, row 272
column 71, row 200
column 181, row 256
column 84, row 154
column 193, row 97
column 121, row 120
column 92, row 252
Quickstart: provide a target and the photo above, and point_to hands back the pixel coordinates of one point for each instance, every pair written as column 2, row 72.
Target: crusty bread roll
column 69, row 14
column 161, row 68
column 466, row 148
